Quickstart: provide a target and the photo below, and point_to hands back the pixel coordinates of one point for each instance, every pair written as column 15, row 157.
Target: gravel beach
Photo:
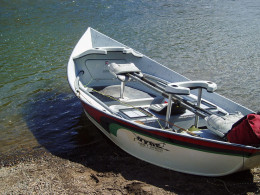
column 102, row 168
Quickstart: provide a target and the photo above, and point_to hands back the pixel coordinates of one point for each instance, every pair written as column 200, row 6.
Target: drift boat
column 154, row 113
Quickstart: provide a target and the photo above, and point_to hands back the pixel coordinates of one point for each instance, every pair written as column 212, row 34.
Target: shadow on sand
column 58, row 123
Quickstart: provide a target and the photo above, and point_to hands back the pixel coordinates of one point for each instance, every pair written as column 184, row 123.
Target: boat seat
column 183, row 88
column 120, row 71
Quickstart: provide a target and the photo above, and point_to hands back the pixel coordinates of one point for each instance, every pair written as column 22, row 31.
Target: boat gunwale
column 207, row 144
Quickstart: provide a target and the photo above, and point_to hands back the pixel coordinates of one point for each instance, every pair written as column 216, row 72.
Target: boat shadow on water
column 59, row 124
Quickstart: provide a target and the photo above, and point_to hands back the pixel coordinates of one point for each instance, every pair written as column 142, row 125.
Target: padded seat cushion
column 119, row 69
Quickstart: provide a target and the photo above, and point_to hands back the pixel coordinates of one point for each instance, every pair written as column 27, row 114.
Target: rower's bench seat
column 183, row 88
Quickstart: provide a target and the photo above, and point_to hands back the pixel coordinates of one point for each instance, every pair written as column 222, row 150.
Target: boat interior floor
column 114, row 91
column 139, row 106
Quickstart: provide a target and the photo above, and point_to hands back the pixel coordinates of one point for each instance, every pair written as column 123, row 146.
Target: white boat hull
column 87, row 70
column 176, row 156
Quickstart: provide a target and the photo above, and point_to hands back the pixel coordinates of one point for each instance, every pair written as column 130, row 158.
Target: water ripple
column 211, row 40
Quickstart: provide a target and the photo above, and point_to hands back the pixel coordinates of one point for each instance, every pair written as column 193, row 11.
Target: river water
column 217, row 40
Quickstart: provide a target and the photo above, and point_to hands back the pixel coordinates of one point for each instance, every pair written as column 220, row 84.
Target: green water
column 213, row 40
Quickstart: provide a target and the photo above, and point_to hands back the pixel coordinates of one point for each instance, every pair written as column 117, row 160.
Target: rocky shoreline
column 102, row 168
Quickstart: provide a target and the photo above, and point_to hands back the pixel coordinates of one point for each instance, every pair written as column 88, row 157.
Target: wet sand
column 102, row 168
